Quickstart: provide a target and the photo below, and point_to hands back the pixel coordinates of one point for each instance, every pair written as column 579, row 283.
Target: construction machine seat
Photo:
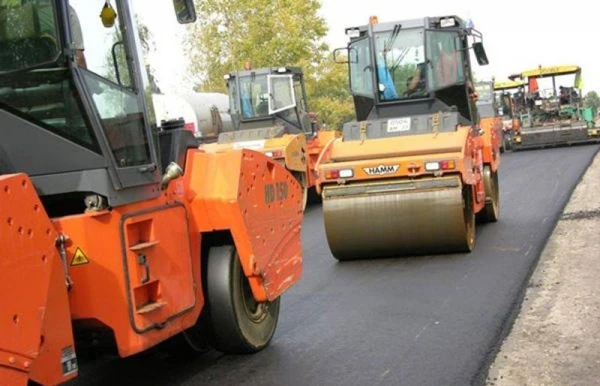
column 23, row 41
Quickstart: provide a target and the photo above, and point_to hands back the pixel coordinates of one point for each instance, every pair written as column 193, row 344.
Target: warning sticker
column 80, row 258
column 68, row 361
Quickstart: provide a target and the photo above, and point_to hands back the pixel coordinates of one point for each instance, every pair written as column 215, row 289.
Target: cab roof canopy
column 436, row 22
column 508, row 85
column 267, row 71
column 542, row 72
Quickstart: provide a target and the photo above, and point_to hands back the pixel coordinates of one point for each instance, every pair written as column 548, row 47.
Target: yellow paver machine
column 552, row 116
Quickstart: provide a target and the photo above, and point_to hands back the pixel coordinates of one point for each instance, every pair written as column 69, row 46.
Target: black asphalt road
column 408, row 321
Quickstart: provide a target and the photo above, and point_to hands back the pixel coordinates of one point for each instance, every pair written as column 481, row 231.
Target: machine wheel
column 303, row 181
column 506, row 140
column 491, row 211
column 239, row 324
column 469, row 217
column 314, row 197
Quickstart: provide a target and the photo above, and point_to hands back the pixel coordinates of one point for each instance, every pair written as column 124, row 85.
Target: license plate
column 398, row 125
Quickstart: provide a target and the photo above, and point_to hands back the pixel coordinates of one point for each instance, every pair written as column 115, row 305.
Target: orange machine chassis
column 137, row 268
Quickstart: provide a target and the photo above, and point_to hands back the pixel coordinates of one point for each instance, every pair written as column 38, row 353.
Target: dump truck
column 511, row 95
column 411, row 174
column 269, row 112
column 552, row 116
column 111, row 230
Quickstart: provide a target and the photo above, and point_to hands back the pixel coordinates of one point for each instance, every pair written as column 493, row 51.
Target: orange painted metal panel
column 35, row 325
column 492, row 137
column 262, row 207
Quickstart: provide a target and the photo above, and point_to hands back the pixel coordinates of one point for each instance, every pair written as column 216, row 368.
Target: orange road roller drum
column 399, row 218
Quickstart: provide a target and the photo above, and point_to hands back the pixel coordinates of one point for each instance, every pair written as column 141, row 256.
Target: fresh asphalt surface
column 430, row 320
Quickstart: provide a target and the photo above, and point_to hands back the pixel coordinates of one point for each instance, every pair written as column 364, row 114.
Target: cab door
column 113, row 86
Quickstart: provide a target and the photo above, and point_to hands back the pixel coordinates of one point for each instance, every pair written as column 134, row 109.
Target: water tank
column 171, row 107
column 211, row 110
column 203, row 113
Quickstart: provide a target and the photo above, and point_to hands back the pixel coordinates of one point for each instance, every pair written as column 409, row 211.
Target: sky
column 518, row 35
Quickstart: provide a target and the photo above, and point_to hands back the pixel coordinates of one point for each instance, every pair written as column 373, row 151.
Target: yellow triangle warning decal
column 80, row 258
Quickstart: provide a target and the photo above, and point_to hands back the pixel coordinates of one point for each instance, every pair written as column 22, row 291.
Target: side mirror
column 340, row 55
column 480, row 54
column 185, row 11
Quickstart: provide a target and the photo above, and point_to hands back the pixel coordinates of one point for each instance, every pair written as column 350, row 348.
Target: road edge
column 480, row 377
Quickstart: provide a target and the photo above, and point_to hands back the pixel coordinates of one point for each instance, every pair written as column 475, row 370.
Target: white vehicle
column 204, row 114
column 211, row 111
column 171, row 107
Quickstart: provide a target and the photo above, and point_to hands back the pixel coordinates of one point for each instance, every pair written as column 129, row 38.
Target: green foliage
column 268, row 33
column 329, row 94
column 121, row 64
column 402, row 75
column 147, row 46
column 592, row 100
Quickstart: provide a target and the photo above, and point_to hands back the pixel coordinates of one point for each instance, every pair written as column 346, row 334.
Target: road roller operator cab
column 411, row 68
column 82, row 129
column 267, row 97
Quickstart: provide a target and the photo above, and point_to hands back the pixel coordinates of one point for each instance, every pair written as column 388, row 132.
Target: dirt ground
column 555, row 340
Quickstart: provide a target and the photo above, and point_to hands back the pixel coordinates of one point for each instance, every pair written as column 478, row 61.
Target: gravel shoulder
column 555, row 340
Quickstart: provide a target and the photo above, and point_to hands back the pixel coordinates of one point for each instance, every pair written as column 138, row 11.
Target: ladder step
column 144, row 245
column 150, row 307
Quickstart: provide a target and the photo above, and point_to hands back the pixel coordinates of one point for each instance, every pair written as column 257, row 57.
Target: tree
column 592, row 100
column 268, row 33
column 147, row 45
column 329, row 94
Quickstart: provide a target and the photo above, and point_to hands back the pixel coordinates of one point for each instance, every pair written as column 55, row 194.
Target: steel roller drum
column 395, row 218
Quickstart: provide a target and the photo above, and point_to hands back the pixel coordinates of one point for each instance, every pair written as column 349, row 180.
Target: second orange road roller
column 414, row 171
column 269, row 111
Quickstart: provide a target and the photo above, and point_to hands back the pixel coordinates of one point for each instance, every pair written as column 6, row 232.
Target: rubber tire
column 314, row 198
column 469, row 217
column 507, row 144
column 234, row 332
column 491, row 211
